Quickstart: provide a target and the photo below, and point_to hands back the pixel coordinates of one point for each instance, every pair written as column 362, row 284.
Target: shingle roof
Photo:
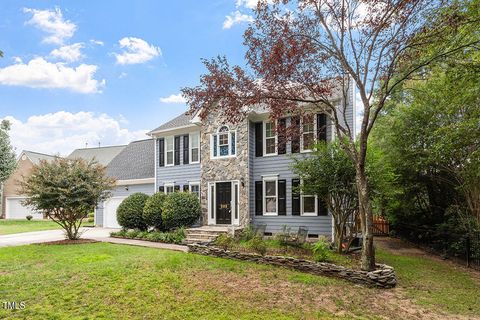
column 102, row 154
column 36, row 157
column 180, row 121
column 136, row 161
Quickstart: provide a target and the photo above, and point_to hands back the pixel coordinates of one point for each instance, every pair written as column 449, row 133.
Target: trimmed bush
column 180, row 209
column 152, row 212
column 130, row 212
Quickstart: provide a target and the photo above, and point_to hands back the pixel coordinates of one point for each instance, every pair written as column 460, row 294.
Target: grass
column 436, row 284
column 19, row 226
column 107, row 281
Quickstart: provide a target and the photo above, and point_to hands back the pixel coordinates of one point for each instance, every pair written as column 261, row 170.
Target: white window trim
column 196, row 183
column 166, row 151
column 168, row 185
column 264, row 138
column 308, row 214
column 264, row 198
column 230, row 154
column 302, row 149
column 191, row 147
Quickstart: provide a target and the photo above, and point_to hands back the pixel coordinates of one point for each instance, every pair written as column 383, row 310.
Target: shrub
column 90, row 219
column 175, row 236
column 91, row 214
column 224, row 241
column 258, row 245
column 321, row 250
column 152, row 212
column 247, row 233
column 29, row 217
column 130, row 212
column 180, row 209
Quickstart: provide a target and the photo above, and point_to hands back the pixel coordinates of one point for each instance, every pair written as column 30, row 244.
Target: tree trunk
column 366, row 219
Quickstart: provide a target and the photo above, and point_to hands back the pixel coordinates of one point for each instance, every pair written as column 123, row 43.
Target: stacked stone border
column 383, row 277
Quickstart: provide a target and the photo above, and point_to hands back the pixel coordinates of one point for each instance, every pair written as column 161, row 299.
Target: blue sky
column 77, row 72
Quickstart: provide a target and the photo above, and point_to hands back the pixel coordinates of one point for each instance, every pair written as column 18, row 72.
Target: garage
column 110, row 212
column 15, row 210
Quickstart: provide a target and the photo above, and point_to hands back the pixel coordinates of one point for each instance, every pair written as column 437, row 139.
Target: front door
column 224, row 198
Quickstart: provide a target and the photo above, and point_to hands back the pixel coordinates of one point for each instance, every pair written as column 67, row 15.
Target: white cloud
column 136, row 51
column 39, row 73
column 68, row 53
column 62, row 131
column 52, row 22
column 122, row 75
column 97, row 42
column 236, row 18
column 173, row 98
column 17, row 59
column 250, row 4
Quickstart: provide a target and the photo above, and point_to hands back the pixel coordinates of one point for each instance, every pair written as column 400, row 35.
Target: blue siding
column 281, row 165
column 180, row 175
column 120, row 192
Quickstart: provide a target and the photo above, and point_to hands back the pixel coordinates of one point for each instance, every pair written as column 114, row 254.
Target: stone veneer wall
column 224, row 169
column 383, row 277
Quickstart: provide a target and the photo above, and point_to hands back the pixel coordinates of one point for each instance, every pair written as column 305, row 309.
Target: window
column 195, row 147
column 169, row 146
column 223, row 143
column 308, row 205
column 169, row 188
column 195, row 188
column 270, row 141
column 308, row 133
column 270, row 196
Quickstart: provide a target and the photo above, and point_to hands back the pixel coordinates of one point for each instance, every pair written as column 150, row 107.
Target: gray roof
column 180, row 121
column 102, row 154
column 136, row 161
column 36, row 157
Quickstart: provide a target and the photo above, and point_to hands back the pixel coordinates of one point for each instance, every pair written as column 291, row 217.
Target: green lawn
column 18, row 226
column 107, row 281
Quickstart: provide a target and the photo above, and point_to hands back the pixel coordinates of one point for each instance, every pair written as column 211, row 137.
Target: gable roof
column 182, row 120
column 136, row 161
column 101, row 154
column 36, row 157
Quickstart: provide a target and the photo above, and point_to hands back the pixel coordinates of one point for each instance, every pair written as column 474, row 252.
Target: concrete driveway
column 19, row 239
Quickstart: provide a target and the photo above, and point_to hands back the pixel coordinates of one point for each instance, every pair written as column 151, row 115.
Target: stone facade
column 225, row 169
column 383, row 277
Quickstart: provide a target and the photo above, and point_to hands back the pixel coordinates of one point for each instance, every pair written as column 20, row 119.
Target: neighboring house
column 242, row 172
column 134, row 170
column 12, row 207
column 102, row 155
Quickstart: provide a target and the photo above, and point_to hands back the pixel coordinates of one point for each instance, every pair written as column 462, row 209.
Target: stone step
column 201, row 235
column 204, row 231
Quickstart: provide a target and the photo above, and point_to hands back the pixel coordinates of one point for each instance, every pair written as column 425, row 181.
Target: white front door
column 15, row 210
column 110, row 212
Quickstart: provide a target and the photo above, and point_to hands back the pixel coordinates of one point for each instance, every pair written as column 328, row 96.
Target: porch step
column 203, row 234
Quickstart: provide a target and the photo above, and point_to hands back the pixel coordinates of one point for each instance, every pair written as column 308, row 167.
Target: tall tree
column 306, row 52
column 7, row 155
column 66, row 191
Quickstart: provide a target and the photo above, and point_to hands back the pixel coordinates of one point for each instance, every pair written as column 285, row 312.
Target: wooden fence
column 381, row 227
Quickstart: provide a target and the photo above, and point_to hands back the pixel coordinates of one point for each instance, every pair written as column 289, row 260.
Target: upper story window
column 270, row 139
column 308, row 133
column 169, row 151
column 223, row 143
column 195, row 147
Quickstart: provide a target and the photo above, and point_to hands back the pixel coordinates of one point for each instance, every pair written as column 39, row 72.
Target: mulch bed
column 67, row 242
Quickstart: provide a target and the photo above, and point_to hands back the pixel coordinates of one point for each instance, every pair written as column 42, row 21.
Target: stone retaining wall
column 383, row 277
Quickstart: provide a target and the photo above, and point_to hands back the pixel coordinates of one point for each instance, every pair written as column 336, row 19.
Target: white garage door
column 110, row 212
column 15, row 209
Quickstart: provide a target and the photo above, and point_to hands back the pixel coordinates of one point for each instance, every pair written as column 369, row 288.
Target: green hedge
column 180, row 209
column 176, row 236
column 130, row 212
column 152, row 212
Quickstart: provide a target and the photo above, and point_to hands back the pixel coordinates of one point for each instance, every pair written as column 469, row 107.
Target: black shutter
column 322, row 207
column 185, row 149
column 282, row 197
column 321, row 127
column 177, row 151
column 296, row 135
column 258, row 139
column 295, row 197
column 258, row 198
column 176, row 188
column 282, row 139
column 185, row 187
column 161, row 189
column 161, row 152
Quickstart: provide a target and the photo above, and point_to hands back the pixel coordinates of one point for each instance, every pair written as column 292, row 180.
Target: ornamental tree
column 312, row 52
column 7, row 156
column 66, row 191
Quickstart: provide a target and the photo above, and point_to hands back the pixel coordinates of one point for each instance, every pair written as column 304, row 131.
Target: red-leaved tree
column 311, row 52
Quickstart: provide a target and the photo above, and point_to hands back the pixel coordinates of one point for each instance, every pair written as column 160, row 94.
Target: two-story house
column 242, row 172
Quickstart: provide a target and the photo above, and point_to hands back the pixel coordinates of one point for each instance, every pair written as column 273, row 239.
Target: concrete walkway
column 99, row 234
